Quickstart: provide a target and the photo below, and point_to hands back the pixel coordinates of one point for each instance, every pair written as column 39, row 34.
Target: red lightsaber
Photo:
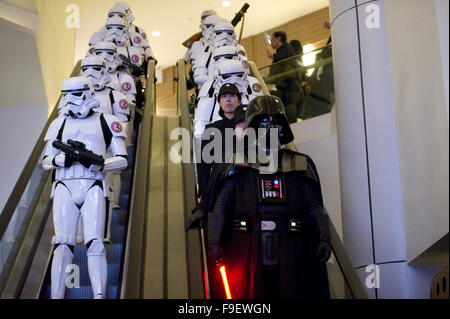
column 225, row 282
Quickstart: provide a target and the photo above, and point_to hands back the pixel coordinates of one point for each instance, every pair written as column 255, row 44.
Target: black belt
column 292, row 225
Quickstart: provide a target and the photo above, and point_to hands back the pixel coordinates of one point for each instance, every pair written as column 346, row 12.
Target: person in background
column 288, row 86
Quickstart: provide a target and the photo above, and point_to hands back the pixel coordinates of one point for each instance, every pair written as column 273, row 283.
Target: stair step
column 123, row 200
column 113, row 254
column 85, row 292
column 119, row 217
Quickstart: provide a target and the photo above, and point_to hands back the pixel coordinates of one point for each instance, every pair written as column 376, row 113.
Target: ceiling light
column 226, row 3
column 156, row 33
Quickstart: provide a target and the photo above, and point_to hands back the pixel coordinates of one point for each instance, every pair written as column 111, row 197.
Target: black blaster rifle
column 136, row 71
column 78, row 152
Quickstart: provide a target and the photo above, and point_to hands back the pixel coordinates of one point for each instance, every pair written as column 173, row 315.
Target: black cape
column 302, row 275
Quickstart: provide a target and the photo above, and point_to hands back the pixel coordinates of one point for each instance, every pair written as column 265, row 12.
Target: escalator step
column 117, row 234
column 113, row 275
column 85, row 292
column 119, row 217
column 113, row 253
column 123, row 200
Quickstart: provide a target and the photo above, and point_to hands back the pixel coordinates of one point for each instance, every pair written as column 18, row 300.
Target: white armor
column 223, row 35
column 137, row 40
column 124, row 6
column 129, row 18
column 108, row 51
column 229, row 71
column 80, row 190
column 202, row 46
column 94, row 68
column 111, row 101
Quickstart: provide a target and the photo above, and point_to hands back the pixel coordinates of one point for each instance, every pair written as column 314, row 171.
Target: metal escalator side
column 25, row 264
column 133, row 265
column 195, row 240
column 162, row 262
column 24, row 216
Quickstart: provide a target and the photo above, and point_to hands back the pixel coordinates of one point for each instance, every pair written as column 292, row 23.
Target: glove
column 194, row 220
column 323, row 251
column 68, row 159
column 215, row 254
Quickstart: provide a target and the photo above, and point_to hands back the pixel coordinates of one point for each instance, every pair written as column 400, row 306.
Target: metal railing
column 195, row 243
column 19, row 256
column 132, row 276
column 315, row 81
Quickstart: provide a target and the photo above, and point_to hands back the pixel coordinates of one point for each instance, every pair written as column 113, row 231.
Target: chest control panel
column 271, row 190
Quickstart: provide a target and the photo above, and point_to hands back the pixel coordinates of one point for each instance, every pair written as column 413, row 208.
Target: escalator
column 151, row 256
column 27, row 226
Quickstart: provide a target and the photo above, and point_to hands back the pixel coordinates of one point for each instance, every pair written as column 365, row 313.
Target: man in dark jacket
column 288, row 85
column 229, row 99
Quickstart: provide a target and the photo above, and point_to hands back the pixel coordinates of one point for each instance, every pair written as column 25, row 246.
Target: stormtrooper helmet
column 226, row 52
column 94, row 68
column 224, row 34
column 116, row 31
column 208, row 27
column 220, row 54
column 117, row 13
column 232, row 71
column 108, row 51
column 129, row 15
column 77, row 98
column 204, row 15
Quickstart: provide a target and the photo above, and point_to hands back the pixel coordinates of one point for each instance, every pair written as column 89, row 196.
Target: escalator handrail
column 195, row 245
column 134, row 252
column 22, row 181
column 343, row 260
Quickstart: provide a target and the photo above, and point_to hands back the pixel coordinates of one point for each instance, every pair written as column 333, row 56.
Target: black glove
column 85, row 162
column 215, row 254
column 194, row 219
column 323, row 251
column 68, row 160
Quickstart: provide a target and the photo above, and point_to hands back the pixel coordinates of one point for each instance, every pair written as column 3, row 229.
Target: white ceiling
column 177, row 20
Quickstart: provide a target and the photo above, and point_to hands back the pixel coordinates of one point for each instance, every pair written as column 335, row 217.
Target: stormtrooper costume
column 229, row 71
column 129, row 18
column 115, row 31
column 223, row 35
column 207, row 26
column 204, row 45
column 111, row 102
column 137, row 36
column 108, row 51
column 79, row 186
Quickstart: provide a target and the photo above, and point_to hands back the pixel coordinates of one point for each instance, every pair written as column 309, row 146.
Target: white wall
column 317, row 137
column 442, row 26
column 421, row 120
column 23, row 104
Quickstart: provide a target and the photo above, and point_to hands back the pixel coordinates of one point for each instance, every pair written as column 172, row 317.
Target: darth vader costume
column 270, row 230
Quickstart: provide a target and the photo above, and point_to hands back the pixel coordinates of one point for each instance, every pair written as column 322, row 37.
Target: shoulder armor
column 293, row 161
column 255, row 86
column 114, row 125
column 204, row 91
column 54, row 128
column 127, row 85
column 121, row 104
column 201, row 60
